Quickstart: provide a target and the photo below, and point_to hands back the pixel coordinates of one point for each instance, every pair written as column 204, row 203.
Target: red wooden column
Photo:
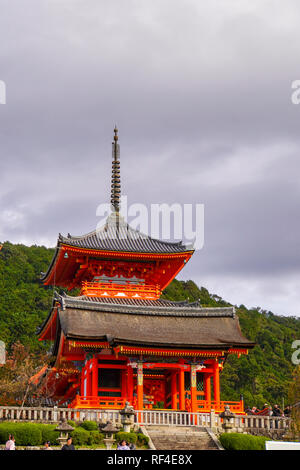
column 140, row 391
column 174, row 390
column 181, row 390
column 216, row 385
column 207, row 389
column 95, row 377
column 130, row 384
column 82, row 381
column 193, row 388
column 124, row 389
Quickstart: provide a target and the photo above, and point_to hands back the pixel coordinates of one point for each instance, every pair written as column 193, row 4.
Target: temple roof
column 159, row 323
column 115, row 301
column 121, row 237
column 142, row 306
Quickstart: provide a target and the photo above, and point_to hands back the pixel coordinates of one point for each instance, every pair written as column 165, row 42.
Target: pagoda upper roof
column 117, row 235
column 113, row 238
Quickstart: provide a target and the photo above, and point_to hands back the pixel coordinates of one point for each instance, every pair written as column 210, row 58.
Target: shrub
column 142, row 439
column 95, row 437
column 129, row 437
column 26, row 434
column 48, row 433
column 80, row 436
column 72, row 423
column 89, row 425
column 236, row 441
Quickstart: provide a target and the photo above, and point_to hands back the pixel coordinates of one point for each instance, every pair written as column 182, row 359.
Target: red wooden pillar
column 207, row 389
column 82, row 381
column 140, row 391
column 130, row 384
column 181, row 390
column 94, row 377
column 216, row 386
column 87, row 379
column 174, row 390
column 193, row 388
column 124, row 383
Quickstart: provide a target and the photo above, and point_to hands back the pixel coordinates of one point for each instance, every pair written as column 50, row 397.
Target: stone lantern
column 109, row 431
column 228, row 419
column 64, row 428
column 127, row 415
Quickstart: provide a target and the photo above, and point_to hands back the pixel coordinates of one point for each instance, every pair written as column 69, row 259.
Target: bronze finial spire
column 115, row 179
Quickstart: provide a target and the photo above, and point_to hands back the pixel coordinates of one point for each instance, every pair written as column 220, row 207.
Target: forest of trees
column 265, row 375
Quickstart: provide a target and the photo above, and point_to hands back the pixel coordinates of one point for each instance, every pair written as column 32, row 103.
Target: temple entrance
column 155, row 391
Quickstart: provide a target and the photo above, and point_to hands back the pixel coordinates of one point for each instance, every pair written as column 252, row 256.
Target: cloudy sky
column 201, row 93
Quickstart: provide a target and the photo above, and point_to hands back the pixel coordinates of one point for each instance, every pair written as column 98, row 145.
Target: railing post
column 212, row 420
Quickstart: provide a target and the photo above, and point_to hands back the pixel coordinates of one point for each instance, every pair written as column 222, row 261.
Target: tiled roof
column 122, row 237
column 162, row 329
column 161, row 323
column 158, row 307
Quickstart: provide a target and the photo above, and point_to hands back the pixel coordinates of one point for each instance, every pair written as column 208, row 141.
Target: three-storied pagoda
column 118, row 340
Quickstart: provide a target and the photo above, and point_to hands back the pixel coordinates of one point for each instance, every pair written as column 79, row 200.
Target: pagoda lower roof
column 156, row 323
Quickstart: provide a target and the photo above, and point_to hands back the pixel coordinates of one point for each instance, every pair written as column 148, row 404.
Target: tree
column 15, row 375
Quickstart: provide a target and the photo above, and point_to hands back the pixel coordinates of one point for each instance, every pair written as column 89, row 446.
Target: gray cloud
column 201, row 94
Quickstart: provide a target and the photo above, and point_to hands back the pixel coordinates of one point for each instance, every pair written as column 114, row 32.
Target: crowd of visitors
column 268, row 410
column 10, row 445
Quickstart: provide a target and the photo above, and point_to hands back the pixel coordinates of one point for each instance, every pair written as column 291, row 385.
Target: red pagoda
column 118, row 341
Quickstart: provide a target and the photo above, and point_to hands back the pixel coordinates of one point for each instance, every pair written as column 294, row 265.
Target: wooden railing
column 98, row 402
column 129, row 289
column 218, row 407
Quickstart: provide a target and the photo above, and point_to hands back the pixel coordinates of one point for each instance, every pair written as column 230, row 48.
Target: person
column 132, row 446
column 68, row 445
column 47, row 446
column 277, row 411
column 123, row 446
column 255, row 410
column 287, row 411
column 10, row 444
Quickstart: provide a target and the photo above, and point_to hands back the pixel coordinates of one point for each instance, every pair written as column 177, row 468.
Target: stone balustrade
column 240, row 423
column 55, row 415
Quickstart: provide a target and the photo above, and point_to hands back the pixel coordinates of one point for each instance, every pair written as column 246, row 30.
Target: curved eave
column 48, row 329
column 49, row 277
column 118, row 342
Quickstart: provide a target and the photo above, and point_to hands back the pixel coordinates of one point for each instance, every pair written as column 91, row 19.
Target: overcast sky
column 201, row 94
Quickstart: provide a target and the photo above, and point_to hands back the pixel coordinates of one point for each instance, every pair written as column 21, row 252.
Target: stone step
column 181, row 438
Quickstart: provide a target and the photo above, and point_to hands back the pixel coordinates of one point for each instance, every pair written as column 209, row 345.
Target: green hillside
column 263, row 375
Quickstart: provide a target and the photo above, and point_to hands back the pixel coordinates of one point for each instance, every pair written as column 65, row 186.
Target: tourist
column 287, row 411
column 47, row 446
column 277, row 411
column 131, row 446
column 68, row 445
column 10, row 444
column 123, row 446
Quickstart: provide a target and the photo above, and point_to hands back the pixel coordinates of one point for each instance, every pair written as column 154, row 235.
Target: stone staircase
column 181, row 438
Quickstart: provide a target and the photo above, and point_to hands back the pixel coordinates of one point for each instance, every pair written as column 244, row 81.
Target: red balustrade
column 98, row 402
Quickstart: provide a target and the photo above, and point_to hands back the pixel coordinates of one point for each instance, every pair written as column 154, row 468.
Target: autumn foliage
column 21, row 365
